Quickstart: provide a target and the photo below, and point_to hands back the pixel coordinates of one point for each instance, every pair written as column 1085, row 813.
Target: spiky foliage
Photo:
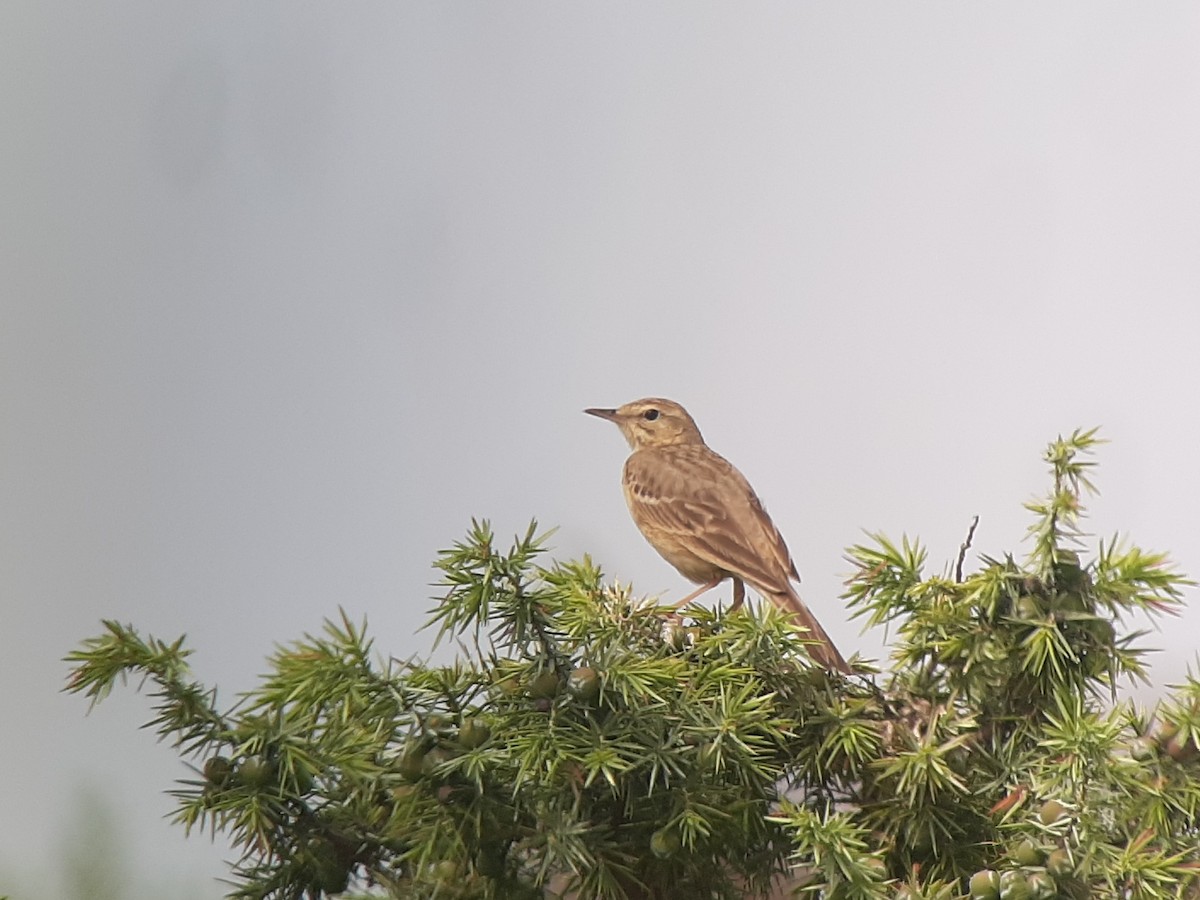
column 582, row 746
column 1007, row 745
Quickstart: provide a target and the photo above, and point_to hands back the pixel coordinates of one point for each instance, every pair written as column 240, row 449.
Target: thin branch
column 963, row 548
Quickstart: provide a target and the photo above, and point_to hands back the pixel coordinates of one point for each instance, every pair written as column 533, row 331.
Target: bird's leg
column 707, row 586
column 739, row 594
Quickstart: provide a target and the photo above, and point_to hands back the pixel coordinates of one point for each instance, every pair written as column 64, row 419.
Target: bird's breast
column 674, row 548
column 657, row 493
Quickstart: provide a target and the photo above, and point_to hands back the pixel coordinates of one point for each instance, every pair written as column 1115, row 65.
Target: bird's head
column 652, row 422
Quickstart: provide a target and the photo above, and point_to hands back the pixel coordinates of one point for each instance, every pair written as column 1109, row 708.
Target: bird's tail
column 822, row 649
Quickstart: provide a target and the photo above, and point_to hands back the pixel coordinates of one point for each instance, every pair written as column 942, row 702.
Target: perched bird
column 702, row 516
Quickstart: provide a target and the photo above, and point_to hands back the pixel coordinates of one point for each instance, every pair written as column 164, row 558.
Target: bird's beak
column 610, row 414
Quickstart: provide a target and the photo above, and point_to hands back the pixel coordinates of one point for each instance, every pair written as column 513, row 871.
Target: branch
column 963, row 548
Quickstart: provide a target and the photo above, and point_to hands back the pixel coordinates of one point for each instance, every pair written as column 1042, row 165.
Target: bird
column 701, row 515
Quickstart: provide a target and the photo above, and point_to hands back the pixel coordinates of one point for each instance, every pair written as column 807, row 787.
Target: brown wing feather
column 694, row 496
column 749, row 536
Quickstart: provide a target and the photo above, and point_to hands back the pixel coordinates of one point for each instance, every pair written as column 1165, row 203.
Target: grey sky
column 292, row 292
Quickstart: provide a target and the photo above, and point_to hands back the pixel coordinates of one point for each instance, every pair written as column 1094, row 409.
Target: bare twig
column 962, row 550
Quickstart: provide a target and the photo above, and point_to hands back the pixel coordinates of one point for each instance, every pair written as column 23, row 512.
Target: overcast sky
column 290, row 293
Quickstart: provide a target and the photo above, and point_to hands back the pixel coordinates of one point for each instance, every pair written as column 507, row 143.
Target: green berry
column 1027, row 608
column 217, row 770
column 431, row 760
column 445, row 873
column 1041, row 885
column 664, row 843
column 302, row 778
column 473, row 733
column 1028, row 854
column 1014, row 886
column 544, row 686
column 985, row 885
column 1058, row 864
column 255, row 771
column 507, row 687
column 1143, row 749
column 1051, row 812
column 584, row 684
column 411, row 764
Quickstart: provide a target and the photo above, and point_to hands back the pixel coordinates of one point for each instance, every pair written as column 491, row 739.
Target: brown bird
column 702, row 516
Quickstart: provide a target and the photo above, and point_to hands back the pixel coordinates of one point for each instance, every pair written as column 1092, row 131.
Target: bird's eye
column 650, row 415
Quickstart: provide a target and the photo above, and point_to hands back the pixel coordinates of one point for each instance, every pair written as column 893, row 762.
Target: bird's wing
column 699, row 498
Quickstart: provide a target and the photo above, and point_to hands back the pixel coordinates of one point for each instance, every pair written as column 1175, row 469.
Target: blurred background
column 290, row 292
